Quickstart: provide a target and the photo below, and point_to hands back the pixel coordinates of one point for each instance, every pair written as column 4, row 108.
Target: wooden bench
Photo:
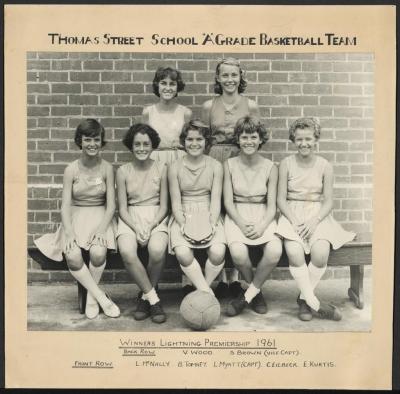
column 355, row 255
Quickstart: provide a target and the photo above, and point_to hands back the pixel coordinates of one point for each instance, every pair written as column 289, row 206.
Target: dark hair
column 198, row 125
column 250, row 125
column 142, row 129
column 305, row 123
column 89, row 128
column 164, row 72
column 230, row 61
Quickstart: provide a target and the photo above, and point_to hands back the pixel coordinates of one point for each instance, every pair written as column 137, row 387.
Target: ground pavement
column 53, row 307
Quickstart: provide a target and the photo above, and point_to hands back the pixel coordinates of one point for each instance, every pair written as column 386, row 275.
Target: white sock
column 234, row 277
column 84, row 277
column 251, row 292
column 222, row 276
column 300, row 275
column 193, row 272
column 186, row 281
column 315, row 274
column 152, row 296
column 212, row 271
column 96, row 273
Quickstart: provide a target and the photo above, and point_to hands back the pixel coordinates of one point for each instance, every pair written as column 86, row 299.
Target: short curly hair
column 249, row 125
column 164, row 72
column 89, row 128
column 230, row 61
column 305, row 123
column 198, row 125
column 142, row 129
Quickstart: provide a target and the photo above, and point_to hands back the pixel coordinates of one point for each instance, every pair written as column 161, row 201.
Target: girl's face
column 229, row 78
column 91, row 146
column 142, row 147
column 305, row 141
column 167, row 88
column 249, row 143
column 195, row 143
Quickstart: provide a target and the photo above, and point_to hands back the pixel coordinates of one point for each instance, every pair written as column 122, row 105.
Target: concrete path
column 55, row 307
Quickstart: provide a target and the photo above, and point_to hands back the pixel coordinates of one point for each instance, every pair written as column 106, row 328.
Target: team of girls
column 251, row 192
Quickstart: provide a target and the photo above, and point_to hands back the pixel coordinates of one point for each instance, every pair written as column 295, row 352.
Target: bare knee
column 184, row 255
column 295, row 253
column 74, row 259
column 216, row 254
column 97, row 255
column 157, row 250
column 273, row 252
column 239, row 253
column 320, row 253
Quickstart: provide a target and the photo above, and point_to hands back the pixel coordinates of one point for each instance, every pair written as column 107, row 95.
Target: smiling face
column 229, row 78
column 91, row 146
column 167, row 88
column 195, row 143
column 305, row 141
column 142, row 147
column 249, row 143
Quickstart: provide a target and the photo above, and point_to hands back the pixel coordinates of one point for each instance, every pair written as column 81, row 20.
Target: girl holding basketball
column 88, row 205
column 195, row 183
column 167, row 116
column 250, row 183
column 221, row 114
column 306, row 223
column 143, row 206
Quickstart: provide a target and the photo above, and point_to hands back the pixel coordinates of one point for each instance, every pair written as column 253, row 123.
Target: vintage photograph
column 199, row 191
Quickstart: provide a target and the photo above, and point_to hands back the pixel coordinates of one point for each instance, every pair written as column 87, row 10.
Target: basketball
column 200, row 310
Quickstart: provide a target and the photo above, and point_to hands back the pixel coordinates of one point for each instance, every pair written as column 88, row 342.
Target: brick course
column 64, row 87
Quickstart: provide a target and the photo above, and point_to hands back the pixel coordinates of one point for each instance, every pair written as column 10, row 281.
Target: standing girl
column 306, row 223
column 143, row 206
column 167, row 116
column 195, row 183
column 221, row 114
column 88, row 205
column 250, row 182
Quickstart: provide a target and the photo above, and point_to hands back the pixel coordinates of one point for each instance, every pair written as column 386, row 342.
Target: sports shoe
column 237, row 305
column 142, row 310
column 109, row 308
column 92, row 310
column 235, row 288
column 187, row 289
column 222, row 290
column 304, row 313
column 328, row 311
column 258, row 304
column 157, row 313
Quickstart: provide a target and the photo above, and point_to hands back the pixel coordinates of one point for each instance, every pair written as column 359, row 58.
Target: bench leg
column 356, row 290
column 82, row 293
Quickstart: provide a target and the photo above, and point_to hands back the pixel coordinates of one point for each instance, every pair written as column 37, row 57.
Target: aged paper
column 325, row 360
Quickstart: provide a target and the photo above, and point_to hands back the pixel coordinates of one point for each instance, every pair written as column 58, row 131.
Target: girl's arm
column 66, row 209
column 282, row 194
column 326, row 207
column 187, row 115
column 110, row 208
column 163, row 211
column 230, row 205
column 269, row 216
column 253, row 108
column 175, row 194
column 206, row 112
column 145, row 116
column 123, row 201
column 216, row 194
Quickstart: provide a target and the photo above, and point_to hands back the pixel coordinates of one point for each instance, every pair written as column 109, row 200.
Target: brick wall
column 63, row 88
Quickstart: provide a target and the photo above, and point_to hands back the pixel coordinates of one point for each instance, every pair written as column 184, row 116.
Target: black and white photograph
column 199, row 196
column 200, row 191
